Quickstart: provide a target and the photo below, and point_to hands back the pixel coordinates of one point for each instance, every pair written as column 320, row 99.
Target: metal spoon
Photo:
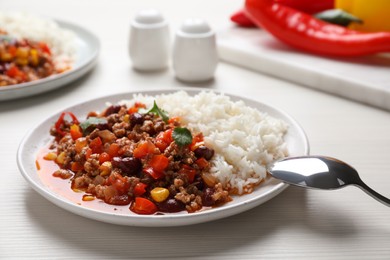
column 320, row 172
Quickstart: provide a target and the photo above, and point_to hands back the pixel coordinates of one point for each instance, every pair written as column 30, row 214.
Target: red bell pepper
column 139, row 189
column 60, row 122
column 143, row 206
column 164, row 139
column 189, row 172
column 135, row 108
column 144, row 149
column 96, row 145
column 153, row 173
column 307, row 6
column 75, row 131
column 113, row 150
column 241, row 19
column 307, row 33
column 159, row 162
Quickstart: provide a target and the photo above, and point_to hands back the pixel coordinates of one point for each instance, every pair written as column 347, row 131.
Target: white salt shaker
column 195, row 56
column 149, row 41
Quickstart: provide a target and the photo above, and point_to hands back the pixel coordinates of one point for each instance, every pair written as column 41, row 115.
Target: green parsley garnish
column 158, row 111
column 91, row 123
column 182, row 136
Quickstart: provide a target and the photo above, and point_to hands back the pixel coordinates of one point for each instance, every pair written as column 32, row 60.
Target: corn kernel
column 21, row 61
column 34, row 57
column 159, row 194
column 61, row 158
column 88, row 198
column 126, row 118
column 80, row 144
column 22, row 52
column 50, row 156
column 6, row 56
column 105, row 168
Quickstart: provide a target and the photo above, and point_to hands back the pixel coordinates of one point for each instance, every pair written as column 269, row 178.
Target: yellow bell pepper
column 375, row 14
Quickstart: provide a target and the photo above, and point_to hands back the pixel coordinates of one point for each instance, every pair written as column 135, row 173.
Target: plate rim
column 154, row 220
column 84, row 66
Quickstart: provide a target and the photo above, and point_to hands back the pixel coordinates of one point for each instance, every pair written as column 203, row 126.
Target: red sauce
column 45, row 169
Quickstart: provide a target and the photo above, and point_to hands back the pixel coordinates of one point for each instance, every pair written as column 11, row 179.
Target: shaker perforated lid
column 149, row 18
column 195, row 28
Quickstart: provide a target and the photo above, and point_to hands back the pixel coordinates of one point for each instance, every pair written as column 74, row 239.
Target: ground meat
column 159, row 126
column 94, row 134
column 184, row 197
column 148, row 127
column 91, row 166
column 119, row 129
column 81, row 182
column 63, row 174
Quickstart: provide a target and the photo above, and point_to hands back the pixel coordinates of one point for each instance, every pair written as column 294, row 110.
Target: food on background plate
column 305, row 32
column 32, row 48
column 165, row 153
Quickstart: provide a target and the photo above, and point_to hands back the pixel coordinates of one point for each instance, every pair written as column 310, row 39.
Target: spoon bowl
column 320, row 172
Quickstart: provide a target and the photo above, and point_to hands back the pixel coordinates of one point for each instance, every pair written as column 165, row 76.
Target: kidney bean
column 128, row 165
column 136, row 119
column 112, row 110
column 205, row 152
column 207, row 197
column 170, row 206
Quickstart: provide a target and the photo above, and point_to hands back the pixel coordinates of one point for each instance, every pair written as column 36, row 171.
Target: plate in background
column 87, row 51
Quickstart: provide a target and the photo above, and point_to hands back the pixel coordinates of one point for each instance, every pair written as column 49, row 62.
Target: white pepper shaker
column 149, row 41
column 195, row 56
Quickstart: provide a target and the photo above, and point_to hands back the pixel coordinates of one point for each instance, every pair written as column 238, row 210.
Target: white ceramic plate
column 87, row 47
column 39, row 136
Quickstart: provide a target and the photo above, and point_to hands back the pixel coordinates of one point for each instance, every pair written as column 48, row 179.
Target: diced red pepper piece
column 75, row 132
column 189, row 171
column 144, row 149
column 13, row 72
column 173, row 120
column 197, row 140
column 45, row 48
column 135, row 108
column 12, row 50
column 88, row 153
column 96, row 145
column 104, row 157
column 113, row 150
column 143, row 206
column 60, row 122
column 76, row 166
column 155, row 174
column 164, row 139
column 119, row 183
column 159, row 162
column 139, row 189
column 202, row 163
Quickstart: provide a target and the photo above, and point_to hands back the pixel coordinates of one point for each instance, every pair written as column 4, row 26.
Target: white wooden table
column 297, row 224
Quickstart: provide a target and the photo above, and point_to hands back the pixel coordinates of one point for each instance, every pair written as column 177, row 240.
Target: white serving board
column 362, row 79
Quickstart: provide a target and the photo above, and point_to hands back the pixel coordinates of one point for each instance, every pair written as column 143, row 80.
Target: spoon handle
column 373, row 193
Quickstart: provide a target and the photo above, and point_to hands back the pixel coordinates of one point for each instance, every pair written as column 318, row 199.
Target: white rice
column 61, row 41
column 244, row 139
